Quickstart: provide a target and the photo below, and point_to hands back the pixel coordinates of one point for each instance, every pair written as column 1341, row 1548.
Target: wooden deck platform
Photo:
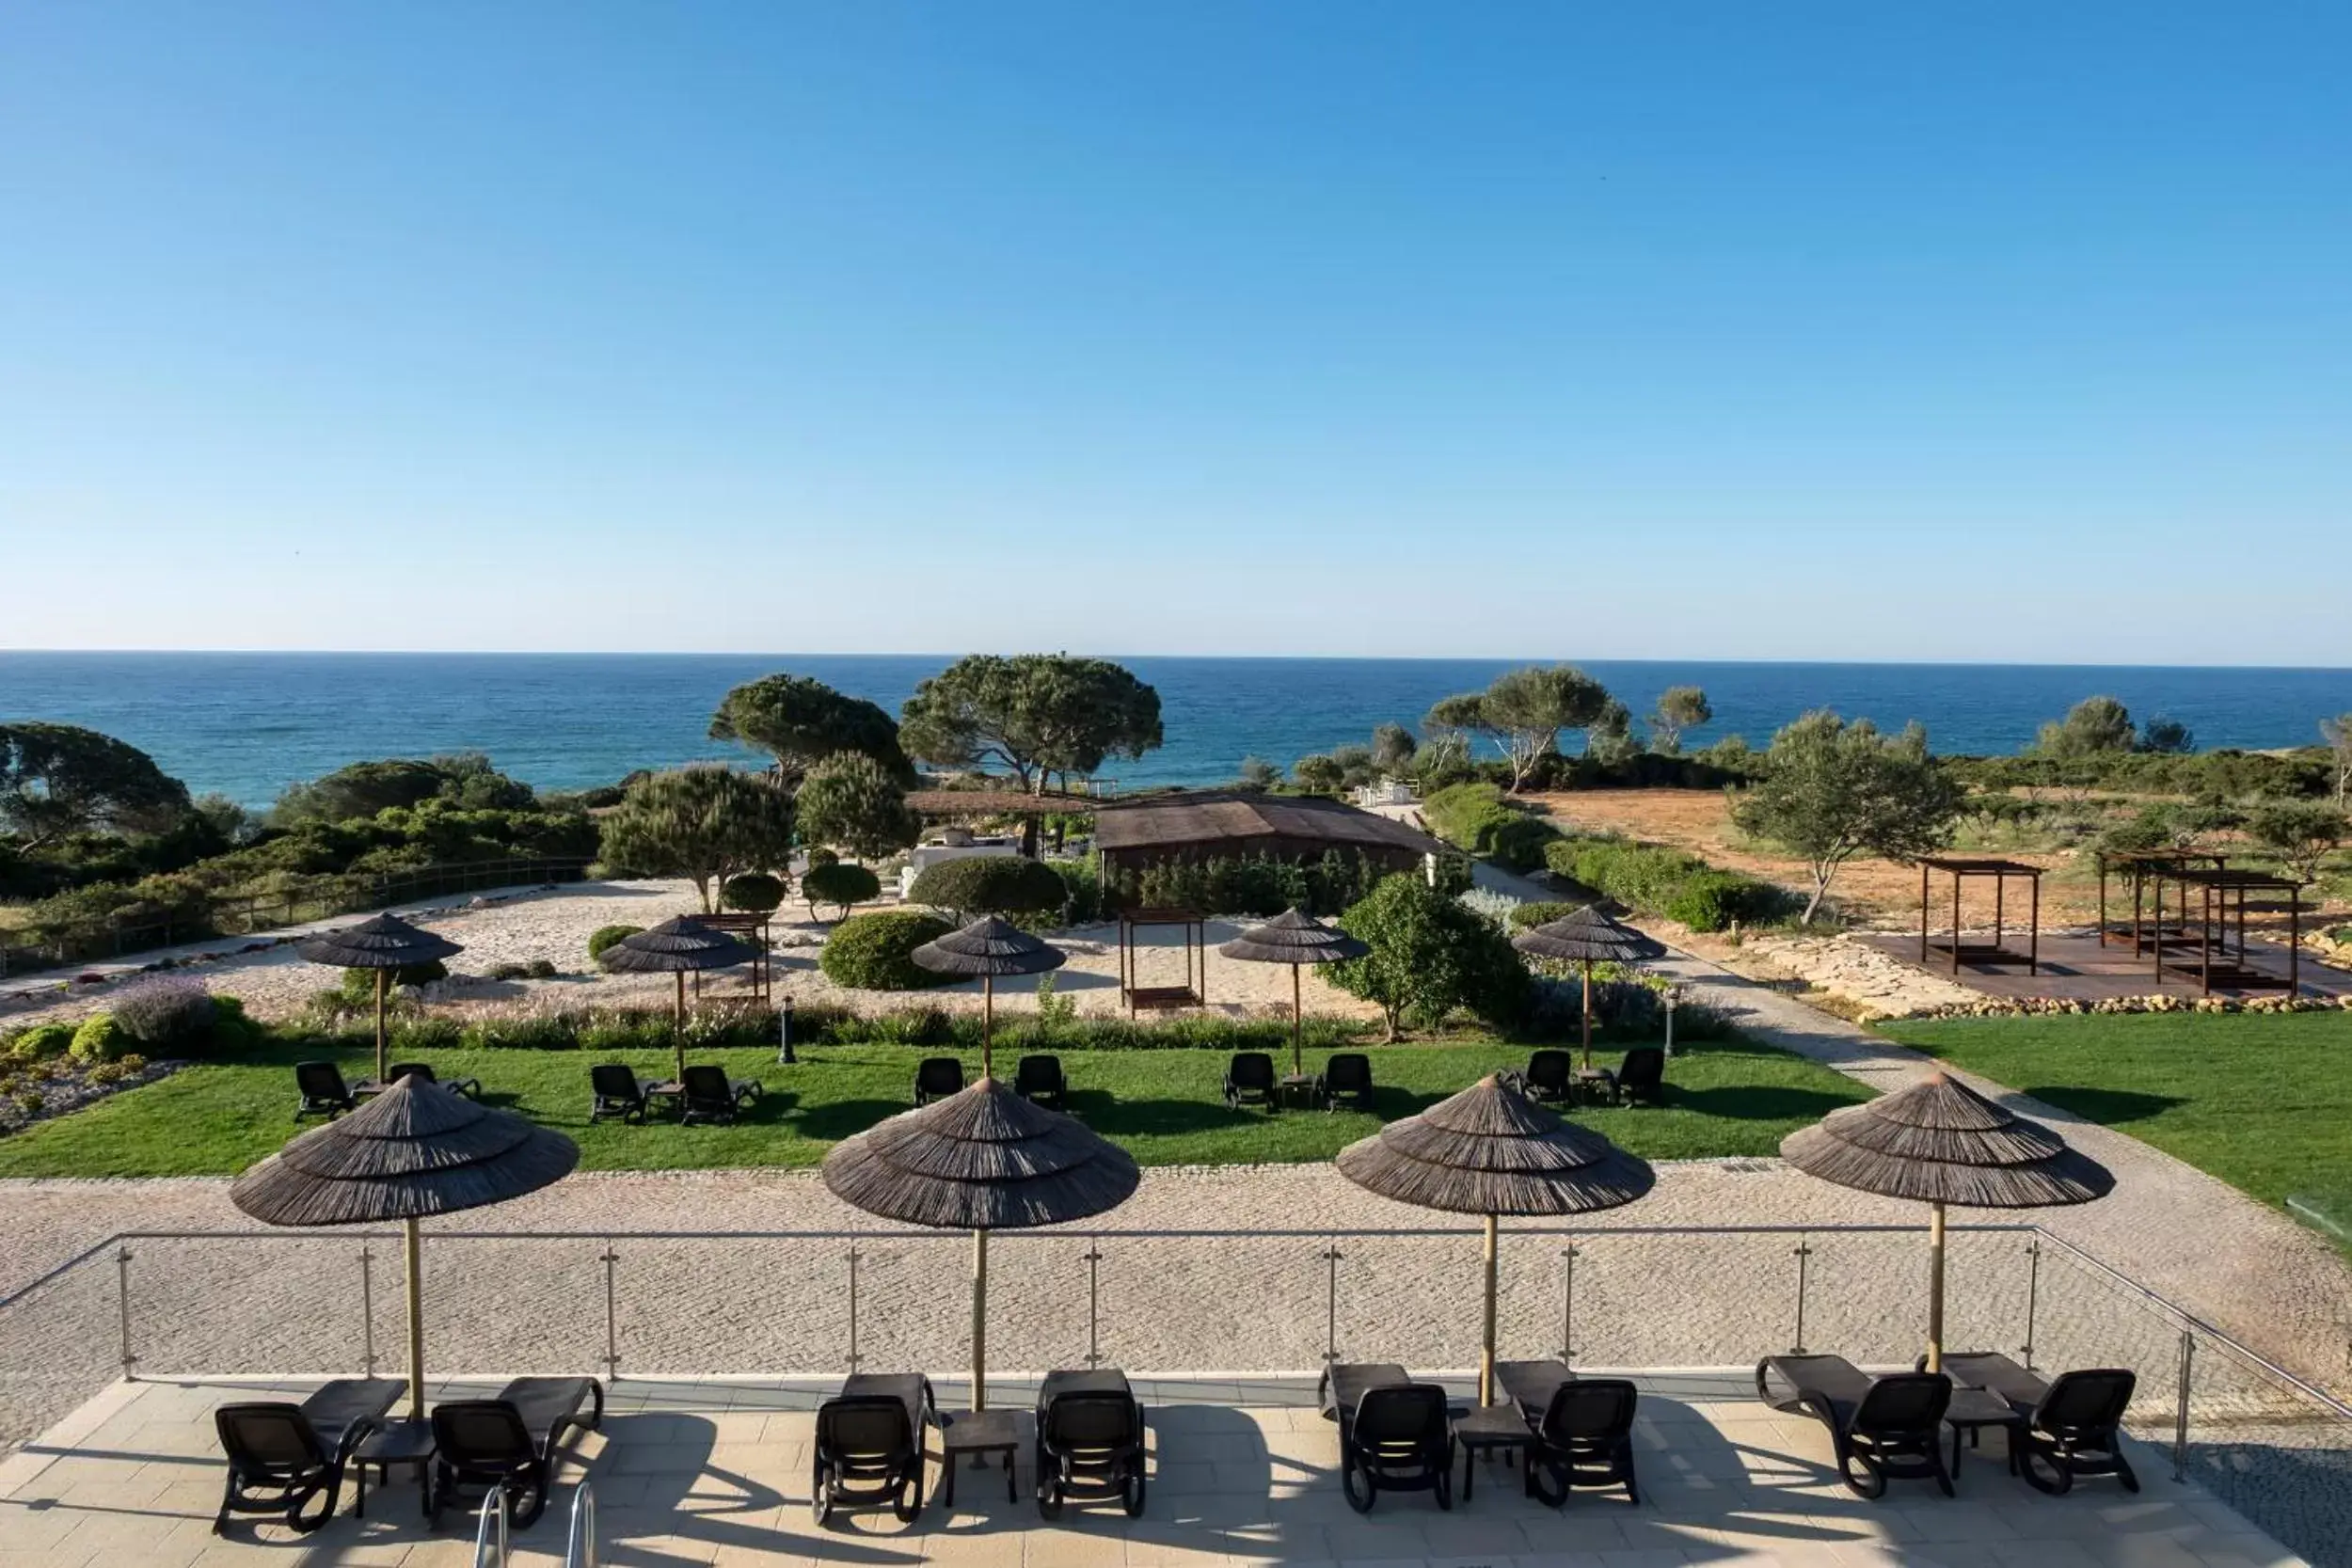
column 2075, row 967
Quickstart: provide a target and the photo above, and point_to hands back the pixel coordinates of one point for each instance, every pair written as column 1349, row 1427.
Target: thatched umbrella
column 1941, row 1142
column 413, row 1150
column 989, row 948
column 382, row 944
column 1587, row 936
column 679, row 947
column 981, row 1159
column 1491, row 1150
column 1293, row 938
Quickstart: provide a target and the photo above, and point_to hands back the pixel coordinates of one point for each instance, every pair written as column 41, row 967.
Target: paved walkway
column 2244, row 1267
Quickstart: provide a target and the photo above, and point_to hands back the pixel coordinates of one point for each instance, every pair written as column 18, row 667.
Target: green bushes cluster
column 358, row 986
column 99, row 1040
column 1539, row 911
column 755, row 891
column 605, row 935
column 1245, row 884
column 1480, row 818
column 990, row 885
column 840, row 884
column 41, row 1043
column 872, row 952
column 1676, row 883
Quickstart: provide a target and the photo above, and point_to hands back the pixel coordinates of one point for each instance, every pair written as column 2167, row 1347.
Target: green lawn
column 2263, row 1101
column 1723, row 1099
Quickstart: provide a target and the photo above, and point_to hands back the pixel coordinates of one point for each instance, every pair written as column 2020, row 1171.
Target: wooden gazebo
column 750, row 927
column 1995, row 952
column 1194, row 992
column 2205, row 953
column 2138, row 867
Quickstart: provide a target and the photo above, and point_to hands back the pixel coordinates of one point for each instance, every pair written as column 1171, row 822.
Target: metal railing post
column 1331, row 1301
column 2180, row 1408
column 852, row 1258
column 367, row 1309
column 1094, row 1298
column 609, row 1257
column 2033, row 1293
column 1568, row 1304
column 122, row 1308
column 1804, row 1256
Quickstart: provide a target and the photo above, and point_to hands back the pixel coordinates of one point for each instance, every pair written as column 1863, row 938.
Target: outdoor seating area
column 731, row 1470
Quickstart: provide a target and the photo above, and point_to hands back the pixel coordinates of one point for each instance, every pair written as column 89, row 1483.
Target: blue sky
column 2008, row 332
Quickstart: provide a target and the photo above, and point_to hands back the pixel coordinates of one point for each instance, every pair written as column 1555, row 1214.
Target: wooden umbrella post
column 1935, row 1287
column 382, row 977
column 1486, row 1345
column 1299, row 1025
column 988, row 1032
column 412, row 1261
column 980, row 1320
column 1585, row 1020
column 678, row 1029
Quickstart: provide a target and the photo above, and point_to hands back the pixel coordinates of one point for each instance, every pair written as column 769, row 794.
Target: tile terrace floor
column 717, row 1472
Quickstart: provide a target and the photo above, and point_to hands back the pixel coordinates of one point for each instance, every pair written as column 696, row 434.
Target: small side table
column 1597, row 1084
column 1974, row 1409
column 670, row 1092
column 1487, row 1430
column 979, row 1433
column 407, row 1443
column 1302, row 1088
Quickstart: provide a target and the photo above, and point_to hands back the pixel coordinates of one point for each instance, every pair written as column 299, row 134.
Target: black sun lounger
column 869, row 1445
column 513, row 1440
column 1089, row 1441
column 1394, row 1433
column 282, row 1456
column 1890, row 1427
column 2072, row 1427
column 470, row 1088
column 1038, row 1079
column 1347, row 1076
column 1250, row 1078
column 618, row 1093
column 1584, row 1437
column 324, row 1092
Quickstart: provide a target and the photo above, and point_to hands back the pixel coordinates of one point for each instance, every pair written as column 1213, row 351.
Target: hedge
column 872, row 952
column 1676, row 883
column 1247, row 884
column 1479, row 818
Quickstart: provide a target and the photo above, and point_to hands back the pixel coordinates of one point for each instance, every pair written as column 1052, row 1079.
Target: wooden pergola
column 750, row 926
column 2138, row 866
column 2206, row 953
column 1982, row 952
column 1194, row 991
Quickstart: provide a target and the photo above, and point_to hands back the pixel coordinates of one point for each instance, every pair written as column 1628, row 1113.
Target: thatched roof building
column 1211, row 825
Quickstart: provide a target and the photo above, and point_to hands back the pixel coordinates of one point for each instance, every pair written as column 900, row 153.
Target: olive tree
column 703, row 823
column 850, row 802
column 1392, row 749
column 1833, row 790
column 1679, row 708
column 1430, row 956
column 798, row 723
column 59, row 778
column 2337, row 731
column 1319, row 774
column 1523, row 712
column 2095, row 726
column 1034, row 714
column 2301, row 833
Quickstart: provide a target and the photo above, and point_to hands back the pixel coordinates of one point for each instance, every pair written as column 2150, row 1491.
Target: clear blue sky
column 1970, row 331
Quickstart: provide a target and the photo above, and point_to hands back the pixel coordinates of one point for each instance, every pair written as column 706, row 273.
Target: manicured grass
column 2262, row 1100
column 1724, row 1099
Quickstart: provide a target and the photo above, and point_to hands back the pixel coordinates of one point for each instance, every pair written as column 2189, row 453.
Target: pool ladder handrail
column 489, row 1537
column 580, row 1550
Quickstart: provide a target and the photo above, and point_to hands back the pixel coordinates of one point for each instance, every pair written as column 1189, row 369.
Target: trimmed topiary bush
column 43, row 1043
column 99, row 1040
column 990, row 885
column 869, row 952
column 358, row 986
column 755, row 890
column 840, row 884
column 167, row 1014
column 605, row 935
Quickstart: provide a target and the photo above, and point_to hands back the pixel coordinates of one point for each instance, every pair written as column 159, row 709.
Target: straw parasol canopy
column 1587, row 936
column 981, row 1159
column 414, row 1150
column 1293, row 938
column 987, row 947
column 679, row 946
column 382, row 944
column 1491, row 1150
column 1939, row 1141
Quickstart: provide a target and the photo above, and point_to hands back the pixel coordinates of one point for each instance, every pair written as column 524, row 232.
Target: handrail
column 579, row 1550
column 489, row 1537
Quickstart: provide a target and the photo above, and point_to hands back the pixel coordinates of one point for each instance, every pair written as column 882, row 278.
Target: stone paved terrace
column 718, row 1472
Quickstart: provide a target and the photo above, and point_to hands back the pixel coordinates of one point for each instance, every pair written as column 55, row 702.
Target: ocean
column 247, row 725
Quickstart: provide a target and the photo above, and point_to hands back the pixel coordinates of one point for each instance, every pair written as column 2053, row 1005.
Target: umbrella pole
column 1299, row 1025
column 1935, row 1288
column 413, row 1263
column 988, row 1032
column 980, row 1320
column 678, row 1029
column 1486, row 1345
column 381, row 988
column 1584, row 1014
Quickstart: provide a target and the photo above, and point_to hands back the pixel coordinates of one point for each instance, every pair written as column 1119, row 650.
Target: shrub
column 358, row 986
column 1429, row 957
column 1540, row 911
column 1249, row 885
column 840, row 884
column 1712, row 900
column 754, row 890
column 990, row 885
column 605, row 935
column 819, row 855
column 526, row 1032
column 99, row 1039
column 166, row 1014
column 542, row 969
column 41, row 1042
column 415, row 1036
column 1478, row 818
column 1671, row 882
column 507, row 972
column 871, row 951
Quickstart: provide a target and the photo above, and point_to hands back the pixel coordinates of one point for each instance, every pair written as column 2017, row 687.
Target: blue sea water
column 249, row 725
